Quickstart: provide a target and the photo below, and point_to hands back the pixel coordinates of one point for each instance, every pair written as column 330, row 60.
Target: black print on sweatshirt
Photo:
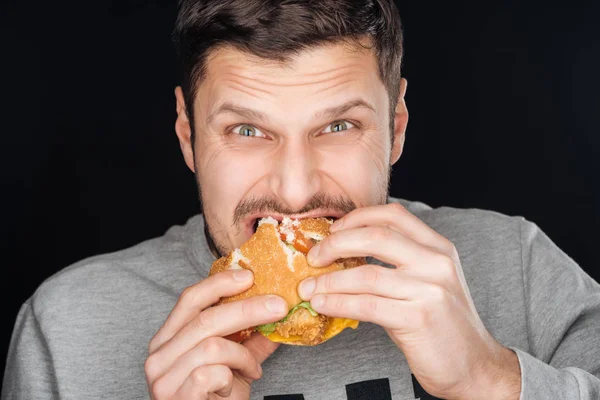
column 377, row 389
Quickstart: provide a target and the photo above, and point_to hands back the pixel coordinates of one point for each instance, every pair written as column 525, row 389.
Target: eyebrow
column 333, row 112
column 247, row 113
column 251, row 114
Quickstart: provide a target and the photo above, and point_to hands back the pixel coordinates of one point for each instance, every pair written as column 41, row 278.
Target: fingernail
column 307, row 287
column 336, row 225
column 276, row 305
column 242, row 276
column 317, row 301
column 313, row 254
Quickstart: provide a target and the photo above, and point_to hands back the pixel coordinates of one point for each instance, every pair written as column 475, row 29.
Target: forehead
column 331, row 72
column 315, row 60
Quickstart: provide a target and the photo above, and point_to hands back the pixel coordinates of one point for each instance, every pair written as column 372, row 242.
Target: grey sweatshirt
column 84, row 334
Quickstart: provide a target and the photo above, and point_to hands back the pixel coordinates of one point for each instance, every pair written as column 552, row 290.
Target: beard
column 217, row 236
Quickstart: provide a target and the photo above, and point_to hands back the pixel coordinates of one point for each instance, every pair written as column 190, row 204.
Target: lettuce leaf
column 267, row 329
column 304, row 304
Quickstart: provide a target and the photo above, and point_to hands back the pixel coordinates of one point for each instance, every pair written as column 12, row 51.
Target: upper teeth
column 268, row 220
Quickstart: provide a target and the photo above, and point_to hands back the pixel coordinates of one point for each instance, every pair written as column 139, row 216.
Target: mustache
column 266, row 205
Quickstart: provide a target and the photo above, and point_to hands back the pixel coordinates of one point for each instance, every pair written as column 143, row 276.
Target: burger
column 276, row 254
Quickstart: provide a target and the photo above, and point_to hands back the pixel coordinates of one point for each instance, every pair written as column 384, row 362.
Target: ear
column 183, row 130
column 400, row 123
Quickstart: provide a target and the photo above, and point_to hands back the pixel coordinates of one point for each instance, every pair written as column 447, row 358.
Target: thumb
column 260, row 347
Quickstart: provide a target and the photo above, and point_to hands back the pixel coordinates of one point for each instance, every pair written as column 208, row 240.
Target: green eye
column 339, row 126
column 247, row 130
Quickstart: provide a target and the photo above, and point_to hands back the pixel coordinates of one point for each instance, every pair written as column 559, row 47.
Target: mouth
column 254, row 219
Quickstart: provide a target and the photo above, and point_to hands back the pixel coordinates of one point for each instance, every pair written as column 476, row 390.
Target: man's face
column 308, row 138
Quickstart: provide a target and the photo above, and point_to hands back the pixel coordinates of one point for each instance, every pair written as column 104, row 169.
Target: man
column 296, row 108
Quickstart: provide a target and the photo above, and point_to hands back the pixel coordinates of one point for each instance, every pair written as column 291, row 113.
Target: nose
column 295, row 179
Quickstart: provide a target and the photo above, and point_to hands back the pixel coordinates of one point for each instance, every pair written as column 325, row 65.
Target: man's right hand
column 189, row 358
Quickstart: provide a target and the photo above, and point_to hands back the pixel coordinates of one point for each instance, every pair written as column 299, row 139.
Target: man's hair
column 278, row 29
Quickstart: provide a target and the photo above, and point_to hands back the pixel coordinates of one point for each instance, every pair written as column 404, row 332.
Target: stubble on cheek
column 376, row 157
column 209, row 186
column 214, row 228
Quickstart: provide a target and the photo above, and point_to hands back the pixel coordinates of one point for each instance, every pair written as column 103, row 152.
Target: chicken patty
column 301, row 323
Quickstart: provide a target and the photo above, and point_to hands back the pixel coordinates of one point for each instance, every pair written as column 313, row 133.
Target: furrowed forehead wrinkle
column 256, row 80
column 275, row 71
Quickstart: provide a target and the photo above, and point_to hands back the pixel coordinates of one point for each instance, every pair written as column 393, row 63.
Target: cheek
column 361, row 170
column 226, row 175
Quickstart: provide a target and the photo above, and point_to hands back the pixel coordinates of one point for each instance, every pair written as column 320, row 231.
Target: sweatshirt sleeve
column 563, row 323
column 29, row 371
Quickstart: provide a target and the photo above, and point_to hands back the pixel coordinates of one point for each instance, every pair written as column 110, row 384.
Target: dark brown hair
column 278, row 29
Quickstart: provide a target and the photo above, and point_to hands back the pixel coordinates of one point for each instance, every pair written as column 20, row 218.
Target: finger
column 389, row 313
column 368, row 279
column 204, row 381
column 398, row 218
column 221, row 320
column 380, row 242
column 212, row 351
column 196, row 298
column 260, row 347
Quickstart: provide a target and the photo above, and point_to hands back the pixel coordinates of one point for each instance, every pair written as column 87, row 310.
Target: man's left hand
column 424, row 303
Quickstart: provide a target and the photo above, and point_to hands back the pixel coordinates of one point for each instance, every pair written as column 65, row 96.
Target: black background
column 504, row 115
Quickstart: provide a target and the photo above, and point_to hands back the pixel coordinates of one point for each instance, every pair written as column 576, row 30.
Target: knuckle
column 203, row 320
column 370, row 276
column 437, row 294
column 397, row 208
column 328, row 282
column 380, row 234
column 447, row 262
column 451, row 249
column 212, row 346
column 151, row 366
column 188, row 296
column 159, row 389
column 250, row 307
column 333, row 302
column 368, row 305
column 199, row 378
column 448, row 277
column 446, row 268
